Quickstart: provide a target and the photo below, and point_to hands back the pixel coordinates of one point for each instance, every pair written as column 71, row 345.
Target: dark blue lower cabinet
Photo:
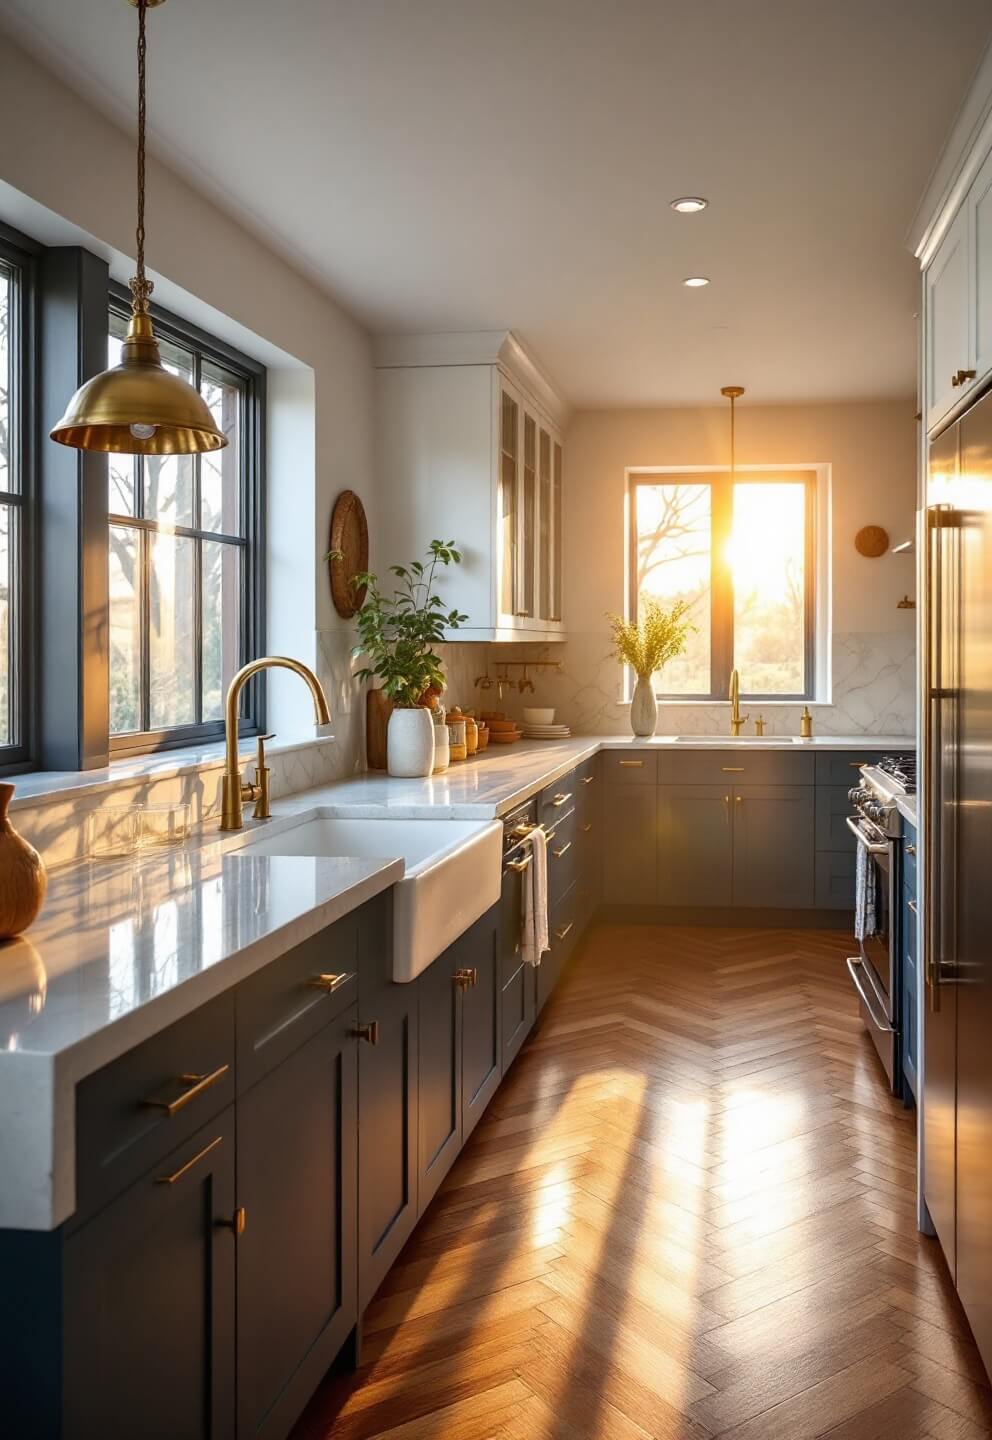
column 910, row 1025
column 297, row 1162
column 149, row 1303
column 482, row 1018
column 439, row 1095
column 387, row 1103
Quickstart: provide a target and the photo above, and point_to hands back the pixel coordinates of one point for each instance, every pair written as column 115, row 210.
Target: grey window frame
column 204, row 346
column 721, row 581
column 20, row 254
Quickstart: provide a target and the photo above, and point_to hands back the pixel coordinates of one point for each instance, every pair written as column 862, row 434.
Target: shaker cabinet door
column 773, row 846
column 149, row 1302
column 440, row 1070
column 980, row 212
column 387, row 1103
column 630, row 844
column 481, row 1021
column 695, row 844
column 950, row 334
column 297, row 1257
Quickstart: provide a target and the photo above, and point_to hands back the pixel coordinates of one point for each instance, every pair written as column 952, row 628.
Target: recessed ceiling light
column 694, row 281
column 689, row 204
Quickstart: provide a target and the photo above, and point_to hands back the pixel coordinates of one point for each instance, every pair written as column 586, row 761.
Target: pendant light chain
column 140, row 287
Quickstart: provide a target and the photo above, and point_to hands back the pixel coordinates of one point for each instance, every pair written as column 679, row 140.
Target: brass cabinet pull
column 562, row 850
column 520, row 832
column 910, row 848
column 466, row 976
column 368, row 1032
column 197, row 1084
column 561, row 799
column 631, row 764
column 738, row 799
column 519, row 865
column 586, row 828
column 912, row 906
column 732, row 769
column 238, row 1222
column 330, row 983
column 184, row 1169
column 560, row 934
column 856, row 764
column 960, row 376
column 588, row 779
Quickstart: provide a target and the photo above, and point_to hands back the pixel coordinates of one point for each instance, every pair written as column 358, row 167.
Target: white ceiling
column 488, row 164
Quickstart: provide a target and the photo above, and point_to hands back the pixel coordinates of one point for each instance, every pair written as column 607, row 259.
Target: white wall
column 871, row 452
column 61, row 161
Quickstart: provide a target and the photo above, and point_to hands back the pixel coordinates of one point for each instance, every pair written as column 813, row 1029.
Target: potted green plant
column 646, row 645
column 397, row 634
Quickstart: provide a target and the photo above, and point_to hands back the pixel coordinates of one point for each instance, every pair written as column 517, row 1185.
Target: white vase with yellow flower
column 647, row 644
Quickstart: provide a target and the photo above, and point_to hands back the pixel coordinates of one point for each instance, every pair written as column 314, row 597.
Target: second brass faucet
column 737, row 720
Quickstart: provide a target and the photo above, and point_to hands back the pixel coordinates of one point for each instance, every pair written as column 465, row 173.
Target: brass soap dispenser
column 806, row 724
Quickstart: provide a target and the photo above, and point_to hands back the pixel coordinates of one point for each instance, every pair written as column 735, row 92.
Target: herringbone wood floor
column 689, row 1212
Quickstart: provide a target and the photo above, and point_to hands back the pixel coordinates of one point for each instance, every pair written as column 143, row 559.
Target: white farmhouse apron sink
column 452, row 877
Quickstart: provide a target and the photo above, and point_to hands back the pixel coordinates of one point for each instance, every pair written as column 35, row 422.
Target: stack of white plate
column 546, row 732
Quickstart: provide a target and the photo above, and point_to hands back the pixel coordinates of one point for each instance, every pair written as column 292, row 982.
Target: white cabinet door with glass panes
column 530, row 515
column 738, row 554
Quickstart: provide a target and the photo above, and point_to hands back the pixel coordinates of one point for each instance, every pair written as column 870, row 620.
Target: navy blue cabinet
column 695, row 844
column 387, row 1102
column 910, row 1018
column 297, row 1149
column 149, row 1306
column 773, row 846
column 460, row 1043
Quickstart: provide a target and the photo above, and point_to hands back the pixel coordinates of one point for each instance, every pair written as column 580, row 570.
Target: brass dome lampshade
column 139, row 407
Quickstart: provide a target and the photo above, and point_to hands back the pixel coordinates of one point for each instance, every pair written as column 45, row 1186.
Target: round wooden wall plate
column 871, row 541
column 350, row 538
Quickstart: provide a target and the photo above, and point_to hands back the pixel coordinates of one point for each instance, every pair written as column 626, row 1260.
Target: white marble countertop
column 495, row 782
column 122, row 950
column 125, row 948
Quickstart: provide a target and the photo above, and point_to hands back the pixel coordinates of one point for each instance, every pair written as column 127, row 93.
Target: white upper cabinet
column 470, row 449
column 980, row 243
column 950, row 344
column 958, row 286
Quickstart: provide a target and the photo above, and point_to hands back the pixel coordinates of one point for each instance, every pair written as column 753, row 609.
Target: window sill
column 43, row 787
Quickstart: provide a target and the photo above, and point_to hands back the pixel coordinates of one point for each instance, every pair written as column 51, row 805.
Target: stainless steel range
column 876, row 970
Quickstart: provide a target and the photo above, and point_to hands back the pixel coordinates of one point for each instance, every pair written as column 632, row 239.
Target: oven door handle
column 856, row 830
column 854, row 965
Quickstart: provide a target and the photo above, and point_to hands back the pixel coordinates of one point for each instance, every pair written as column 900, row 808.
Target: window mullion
column 722, row 614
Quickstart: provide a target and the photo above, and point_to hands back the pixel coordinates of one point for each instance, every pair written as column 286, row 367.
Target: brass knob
column 368, row 1032
column 238, row 1222
column 466, row 976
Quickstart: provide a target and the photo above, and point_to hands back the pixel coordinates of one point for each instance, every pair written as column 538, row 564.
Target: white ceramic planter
column 410, row 742
column 643, row 708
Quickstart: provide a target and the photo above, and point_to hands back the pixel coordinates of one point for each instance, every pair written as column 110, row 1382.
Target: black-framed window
column 185, row 555
column 741, row 554
column 17, row 401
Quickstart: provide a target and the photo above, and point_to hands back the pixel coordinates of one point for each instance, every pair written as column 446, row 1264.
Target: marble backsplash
column 873, row 688
column 57, row 824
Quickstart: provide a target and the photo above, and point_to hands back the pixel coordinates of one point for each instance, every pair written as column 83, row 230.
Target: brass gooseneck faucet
column 737, row 720
column 236, row 791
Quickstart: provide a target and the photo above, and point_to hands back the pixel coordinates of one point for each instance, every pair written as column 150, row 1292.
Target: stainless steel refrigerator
column 957, row 1019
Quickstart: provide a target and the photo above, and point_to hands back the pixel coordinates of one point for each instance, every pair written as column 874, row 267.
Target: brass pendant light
column 139, row 407
column 732, row 393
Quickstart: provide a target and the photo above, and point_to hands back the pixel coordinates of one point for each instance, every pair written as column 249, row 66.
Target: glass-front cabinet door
column 529, row 543
column 509, row 508
column 528, row 511
column 557, row 524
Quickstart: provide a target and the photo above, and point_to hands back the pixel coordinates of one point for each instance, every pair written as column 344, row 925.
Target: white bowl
column 538, row 717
